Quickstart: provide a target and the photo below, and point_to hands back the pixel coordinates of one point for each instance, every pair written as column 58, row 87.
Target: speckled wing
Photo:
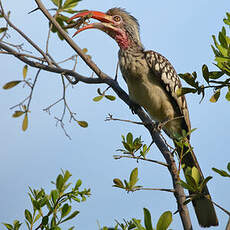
column 170, row 81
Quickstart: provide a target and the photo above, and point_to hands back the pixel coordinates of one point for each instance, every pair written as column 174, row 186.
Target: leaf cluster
column 132, row 146
column 128, row 185
column 103, row 95
column 23, row 108
column 214, row 79
column 135, row 224
column 63, row 7
column 194, row 183
column 222, row 172
column 58, row 203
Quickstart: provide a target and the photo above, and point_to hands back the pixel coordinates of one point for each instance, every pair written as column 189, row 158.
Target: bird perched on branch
column 152, row 83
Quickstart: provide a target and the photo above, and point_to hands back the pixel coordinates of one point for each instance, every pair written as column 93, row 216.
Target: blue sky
column 181, row 31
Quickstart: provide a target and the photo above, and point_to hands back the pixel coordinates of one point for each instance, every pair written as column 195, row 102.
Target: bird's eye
column 117, row 18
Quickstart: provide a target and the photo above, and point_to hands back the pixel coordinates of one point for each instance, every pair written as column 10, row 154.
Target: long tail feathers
column 203, row 206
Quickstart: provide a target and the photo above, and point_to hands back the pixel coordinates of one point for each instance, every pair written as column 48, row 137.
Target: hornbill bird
column 152, row 83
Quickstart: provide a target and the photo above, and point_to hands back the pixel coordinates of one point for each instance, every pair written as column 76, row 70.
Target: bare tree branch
column 117, row 157
column 23, row 35
column 51, row 68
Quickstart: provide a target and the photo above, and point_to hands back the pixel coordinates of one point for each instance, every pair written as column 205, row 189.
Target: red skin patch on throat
column 122, row 40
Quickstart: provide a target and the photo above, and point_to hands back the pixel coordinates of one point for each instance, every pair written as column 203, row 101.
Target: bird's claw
column 158, row 126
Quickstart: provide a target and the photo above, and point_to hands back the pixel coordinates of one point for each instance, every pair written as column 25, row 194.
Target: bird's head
column 117, row 23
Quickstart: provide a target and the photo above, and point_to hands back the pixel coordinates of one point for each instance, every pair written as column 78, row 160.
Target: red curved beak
column 106, row 20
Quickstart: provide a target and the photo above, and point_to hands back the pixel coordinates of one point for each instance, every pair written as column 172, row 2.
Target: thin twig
column 117, row 157
column 117, row 68
column 153, row 189
column 20, row 104
column 47, row 109
column 32, row 88
column 217, row 205
column 110, row 118
column 67, row 59
column 88, row 80
column 23, row 35
column 24, row 55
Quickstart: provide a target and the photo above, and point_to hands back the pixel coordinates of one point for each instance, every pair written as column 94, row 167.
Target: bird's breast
column 145, row 89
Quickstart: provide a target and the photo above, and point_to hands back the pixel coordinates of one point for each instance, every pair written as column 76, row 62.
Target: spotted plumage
column 164, row 71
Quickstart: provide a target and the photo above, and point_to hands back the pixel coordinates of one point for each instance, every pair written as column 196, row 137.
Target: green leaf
column 129, row 138
column 191, row 182
column 195, row 175
column 190, row 79
column 185, row 185
column 55, row 2
column 59, row 182
column 67, row 175
column 3, row 29
column 215, row 51
column 222, row 50
column 8, row 226
column 127, row 147
column 138, row 224
column 215, row 96
column 78, row 184
column 222, row 40
column 126, row 184
column 98, row 98
column 63, row 18
column 28, row 216
column 205, row 73
column 11, row 84
column 37, row 217
column 227, row 96
column 222, row 59
column 133, row 177
column 226, row 21
column 36, row 205
column 17, row 224
column 59, row 4
column 69, row 4
column 215, row 74
column 83, row 124
column 221, row 172
column 75, row 213
column 164, row 221
column 137, row 143
column 147, row 219
column 118, row 183
column 223, row 31
column 45, row 220
column 54, row 195
column 24, row 71
column 110, row 97
column 204, row 183
column 18, row 113
column 65, row 210
column 185, row 90
column 228, row 166
column 25, row 123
